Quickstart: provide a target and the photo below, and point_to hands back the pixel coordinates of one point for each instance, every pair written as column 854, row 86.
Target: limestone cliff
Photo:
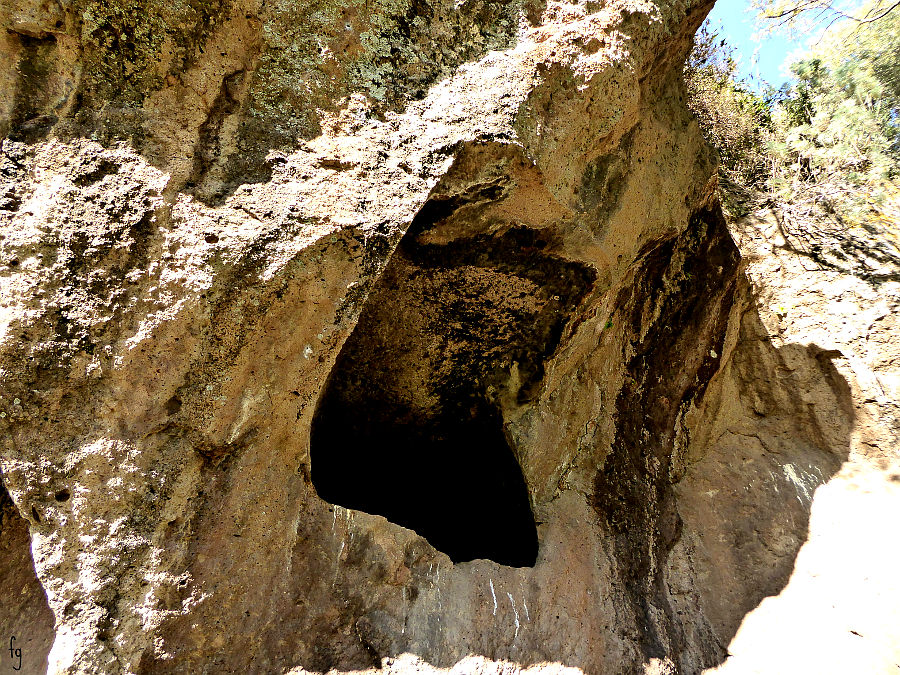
column 400, row 334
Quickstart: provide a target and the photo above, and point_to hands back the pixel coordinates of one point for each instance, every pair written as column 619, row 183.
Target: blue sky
column 735, row 21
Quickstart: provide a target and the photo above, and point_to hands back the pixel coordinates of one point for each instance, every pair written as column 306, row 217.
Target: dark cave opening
column 454, row 480
column 409, row 425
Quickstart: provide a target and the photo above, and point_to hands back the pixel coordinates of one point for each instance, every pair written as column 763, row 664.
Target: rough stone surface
column 24, row 614
column 224, row 226
column 811, row 519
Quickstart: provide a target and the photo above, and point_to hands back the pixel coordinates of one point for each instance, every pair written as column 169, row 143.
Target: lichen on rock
column 249, row 248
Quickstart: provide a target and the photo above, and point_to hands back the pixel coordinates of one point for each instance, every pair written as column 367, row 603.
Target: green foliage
column 735, row 119
column 830, row 141
column 808, row 17
column 837, row 127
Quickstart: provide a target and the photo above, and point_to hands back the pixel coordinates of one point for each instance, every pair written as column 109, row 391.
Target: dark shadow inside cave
column 450, row 338
column 454, row 480
column 410, row 424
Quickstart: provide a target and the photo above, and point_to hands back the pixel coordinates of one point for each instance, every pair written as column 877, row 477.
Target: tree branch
column 801, row 7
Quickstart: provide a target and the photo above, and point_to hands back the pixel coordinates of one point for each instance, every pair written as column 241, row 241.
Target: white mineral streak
column 515, row 613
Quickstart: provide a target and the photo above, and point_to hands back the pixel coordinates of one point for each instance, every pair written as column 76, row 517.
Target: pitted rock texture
column 248, row 245
column 806, row 438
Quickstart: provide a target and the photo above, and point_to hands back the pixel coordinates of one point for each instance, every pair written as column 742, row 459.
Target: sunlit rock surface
column 279, row 282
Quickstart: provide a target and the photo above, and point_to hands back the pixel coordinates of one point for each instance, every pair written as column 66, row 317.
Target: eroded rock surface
column 282, row 281
column 26, row 619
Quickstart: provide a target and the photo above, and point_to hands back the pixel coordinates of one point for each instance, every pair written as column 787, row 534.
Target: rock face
column 400, row 335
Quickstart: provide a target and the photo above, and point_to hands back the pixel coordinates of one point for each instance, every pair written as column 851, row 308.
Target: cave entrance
column 454, row 480
column 410, row 424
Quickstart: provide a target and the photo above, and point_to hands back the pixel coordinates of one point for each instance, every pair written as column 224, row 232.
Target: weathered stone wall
column 222, row 222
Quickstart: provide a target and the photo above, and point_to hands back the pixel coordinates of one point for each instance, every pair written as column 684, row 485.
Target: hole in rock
column 410, row 425
column 454, row 480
